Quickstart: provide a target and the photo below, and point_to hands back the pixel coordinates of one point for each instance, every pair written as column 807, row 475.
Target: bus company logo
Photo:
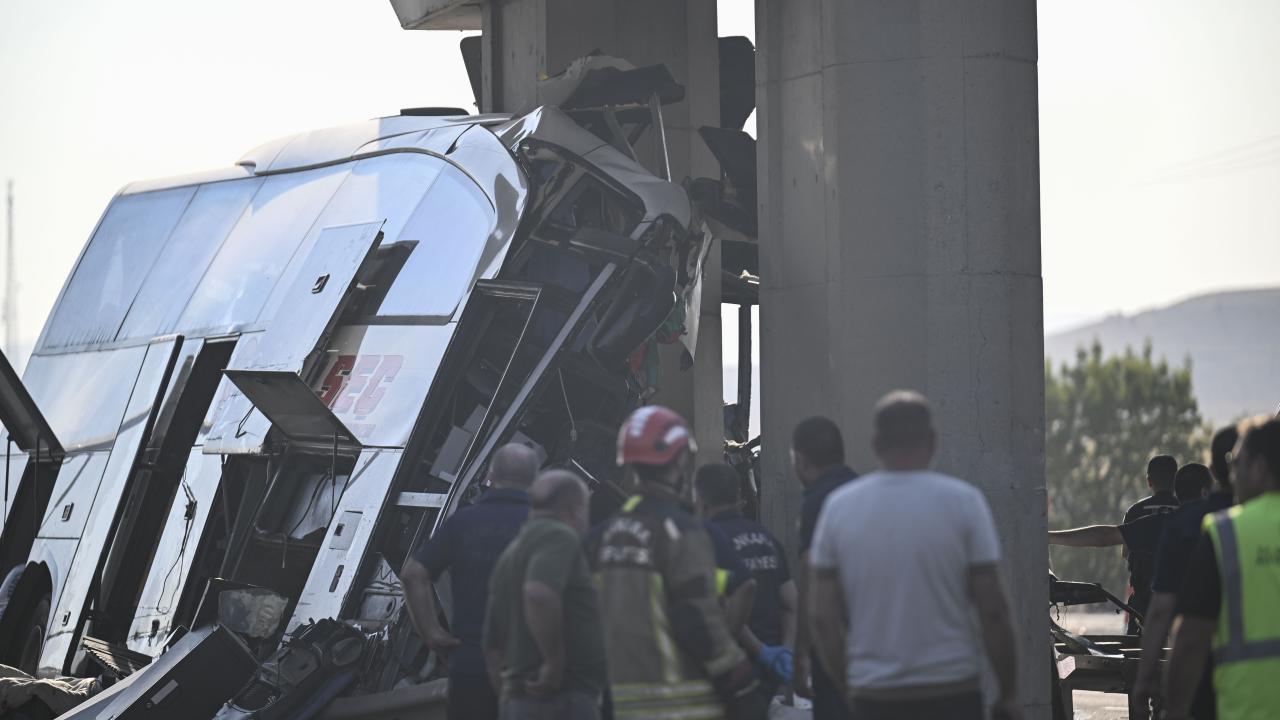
column 357, row 383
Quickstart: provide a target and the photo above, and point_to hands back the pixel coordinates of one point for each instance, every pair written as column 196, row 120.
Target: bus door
column 159, row 484
column 32, row 456
column 77, row 582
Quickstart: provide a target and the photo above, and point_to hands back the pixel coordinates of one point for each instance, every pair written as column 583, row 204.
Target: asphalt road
column 1096, row 705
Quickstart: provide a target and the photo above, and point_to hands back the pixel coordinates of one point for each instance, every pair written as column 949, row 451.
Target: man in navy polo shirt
column 717, row 492
column 468, row 545
column 817, row 455
column 1161, row 470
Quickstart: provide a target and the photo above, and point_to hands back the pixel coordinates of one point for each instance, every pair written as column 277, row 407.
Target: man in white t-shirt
column 902, row 561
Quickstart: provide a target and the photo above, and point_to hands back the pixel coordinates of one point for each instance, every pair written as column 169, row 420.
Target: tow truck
column 1099, row 662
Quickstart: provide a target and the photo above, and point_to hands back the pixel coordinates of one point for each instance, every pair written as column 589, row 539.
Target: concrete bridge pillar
column 900, row 247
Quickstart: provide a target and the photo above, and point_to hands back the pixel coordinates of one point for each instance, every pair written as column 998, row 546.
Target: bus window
column 107, row 278
column 450, row 227
column 199, row 234
column 258, row 249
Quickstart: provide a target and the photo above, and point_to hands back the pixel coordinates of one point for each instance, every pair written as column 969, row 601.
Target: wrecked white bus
column 276, row 379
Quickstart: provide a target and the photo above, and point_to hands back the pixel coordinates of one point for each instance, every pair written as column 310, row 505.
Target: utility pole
column 10, row 297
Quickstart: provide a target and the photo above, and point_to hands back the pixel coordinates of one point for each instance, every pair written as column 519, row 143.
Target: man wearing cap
column 670, row 653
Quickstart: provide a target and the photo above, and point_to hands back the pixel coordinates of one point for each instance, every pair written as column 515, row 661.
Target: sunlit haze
column 1160, row 127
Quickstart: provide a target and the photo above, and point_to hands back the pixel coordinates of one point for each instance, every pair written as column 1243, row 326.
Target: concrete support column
column 529, row 39
column 900, row 247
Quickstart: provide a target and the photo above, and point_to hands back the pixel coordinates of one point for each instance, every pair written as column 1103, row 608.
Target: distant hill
column 1232, row 338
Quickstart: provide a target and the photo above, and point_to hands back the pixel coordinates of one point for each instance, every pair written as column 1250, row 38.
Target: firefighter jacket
column 1246, row 646
column 665, row 632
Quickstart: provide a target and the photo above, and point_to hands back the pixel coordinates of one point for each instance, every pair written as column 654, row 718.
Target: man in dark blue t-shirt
column 817, row 456
column 467, row 545
column 717, row 492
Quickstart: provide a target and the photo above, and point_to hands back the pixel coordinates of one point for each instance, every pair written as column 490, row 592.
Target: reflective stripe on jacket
column 1246, row 645
column 665, row 632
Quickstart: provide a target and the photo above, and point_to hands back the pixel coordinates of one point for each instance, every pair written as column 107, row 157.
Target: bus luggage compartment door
column 307, row 314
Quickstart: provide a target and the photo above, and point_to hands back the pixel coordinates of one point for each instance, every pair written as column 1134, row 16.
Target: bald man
column 467, row 545
column 543, row 638
column 901, row 561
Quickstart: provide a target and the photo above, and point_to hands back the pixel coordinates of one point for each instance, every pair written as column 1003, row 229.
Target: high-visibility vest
column 1246, row 645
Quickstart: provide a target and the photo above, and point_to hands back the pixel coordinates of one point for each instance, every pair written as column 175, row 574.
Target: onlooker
column 1161, row 471
column 817, row 456
column 543, row 636
column 1179, row 539
column 467, row 545
column 717, row 496
column 1229, row 596
column 900, row 560
column 670, row 652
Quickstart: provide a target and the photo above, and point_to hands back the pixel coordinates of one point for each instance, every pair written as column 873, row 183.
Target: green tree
column 1105, row 416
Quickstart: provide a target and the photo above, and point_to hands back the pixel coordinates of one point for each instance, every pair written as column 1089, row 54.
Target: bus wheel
column 32, row 636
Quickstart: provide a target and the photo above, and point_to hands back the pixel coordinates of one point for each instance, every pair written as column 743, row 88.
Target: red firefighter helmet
column 653, row 435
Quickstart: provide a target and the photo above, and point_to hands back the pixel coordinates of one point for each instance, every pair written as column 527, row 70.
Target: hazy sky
column 1160, row 124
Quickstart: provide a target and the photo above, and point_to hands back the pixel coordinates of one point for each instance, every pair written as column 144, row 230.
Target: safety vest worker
column 1230, row 597
column 1246, row 645
column 669, row 649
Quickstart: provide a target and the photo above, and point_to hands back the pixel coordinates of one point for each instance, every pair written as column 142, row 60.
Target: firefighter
column 670, row 652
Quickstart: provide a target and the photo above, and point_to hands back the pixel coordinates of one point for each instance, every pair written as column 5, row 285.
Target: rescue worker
column 468, row 545
column 734, row 584
column 669, row 650
column 1231, row 592
column 1161, row 472
column 772, row 622
column 1141, row 537
column 1177, row 544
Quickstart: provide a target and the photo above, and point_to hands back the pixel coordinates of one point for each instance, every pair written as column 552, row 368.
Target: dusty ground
column 1100, row 706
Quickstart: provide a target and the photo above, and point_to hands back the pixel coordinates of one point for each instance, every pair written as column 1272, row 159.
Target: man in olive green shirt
column 544, row 646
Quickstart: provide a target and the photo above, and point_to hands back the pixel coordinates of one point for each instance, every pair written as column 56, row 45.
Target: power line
column 1260, row 153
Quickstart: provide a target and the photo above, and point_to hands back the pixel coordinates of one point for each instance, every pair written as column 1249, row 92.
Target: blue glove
column 777, row 658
